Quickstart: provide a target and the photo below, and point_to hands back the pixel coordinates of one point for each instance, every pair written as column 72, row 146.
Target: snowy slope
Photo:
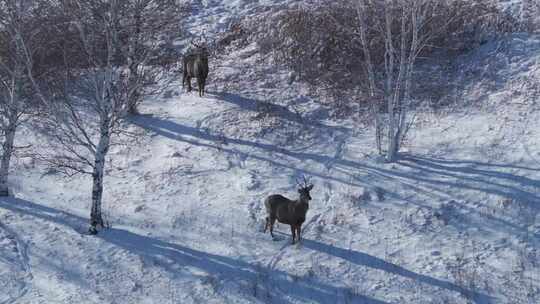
column 455, row 221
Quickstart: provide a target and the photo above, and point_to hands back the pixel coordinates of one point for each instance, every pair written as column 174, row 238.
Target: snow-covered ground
column 454, row 221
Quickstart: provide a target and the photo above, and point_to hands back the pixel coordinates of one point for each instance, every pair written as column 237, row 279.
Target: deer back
column 196, row 64
column 200, row 66
column 285, row 210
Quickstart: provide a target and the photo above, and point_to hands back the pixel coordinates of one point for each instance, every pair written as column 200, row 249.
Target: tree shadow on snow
column 78, row 223
column 367, row 260
column 481, row 176
column 203, row 138
column 276, row 285
column 436, row 178
column 272, row 284
column 430, row 172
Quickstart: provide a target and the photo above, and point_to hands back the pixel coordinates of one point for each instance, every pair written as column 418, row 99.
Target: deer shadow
column 173, row 257
column 255, row 105
column 277, row 284
column 259, row 106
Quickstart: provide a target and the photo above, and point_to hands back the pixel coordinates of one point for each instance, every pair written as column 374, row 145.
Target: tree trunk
column 393, row 142
column 375, row 104
column 398, row 108
column 7, row 150
column 96, row 218
column 133, row 91
column 12, row 116
column 390, row 83
column 133, row 78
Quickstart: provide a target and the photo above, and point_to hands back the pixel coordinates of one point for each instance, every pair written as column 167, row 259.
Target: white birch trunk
column 96, row 217
column 375, row 104
column 132, row 94
column 7, row 151
column 408, row 76
column 12, row 110
column 389, row 68
column 397, row 103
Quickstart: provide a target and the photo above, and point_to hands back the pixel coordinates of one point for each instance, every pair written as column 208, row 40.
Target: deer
column 290, row 212
column 196, row 65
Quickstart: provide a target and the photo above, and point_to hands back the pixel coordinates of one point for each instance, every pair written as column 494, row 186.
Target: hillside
column 455, row 220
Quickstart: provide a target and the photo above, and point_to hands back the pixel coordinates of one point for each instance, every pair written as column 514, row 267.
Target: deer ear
column 310, row 187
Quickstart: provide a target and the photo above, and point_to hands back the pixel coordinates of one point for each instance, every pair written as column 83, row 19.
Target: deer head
column 304, row 187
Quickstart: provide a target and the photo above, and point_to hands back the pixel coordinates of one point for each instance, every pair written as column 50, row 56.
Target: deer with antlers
column 196, row 65
column 286, row 211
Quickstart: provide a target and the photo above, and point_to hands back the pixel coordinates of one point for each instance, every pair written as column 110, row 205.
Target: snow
column 454, row 221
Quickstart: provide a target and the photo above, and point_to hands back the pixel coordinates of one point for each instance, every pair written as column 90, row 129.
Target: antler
column 202, row 41
column 304, row 183
column 195, row 44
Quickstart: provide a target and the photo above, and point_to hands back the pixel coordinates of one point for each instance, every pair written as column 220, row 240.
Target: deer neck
column 301, row 202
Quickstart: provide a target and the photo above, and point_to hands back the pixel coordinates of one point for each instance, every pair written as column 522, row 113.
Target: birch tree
column 375, row 105
column 110, row 58
column 408, row 28
column 86, row 113
column 15, row 96
column 84, row 98
column 401, row 47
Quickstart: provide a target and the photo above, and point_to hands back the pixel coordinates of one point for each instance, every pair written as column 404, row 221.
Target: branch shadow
column 490, row 179
column 455, row 162
column 171, row 256
column 432, row 177
column 437, row 176
column 64, row 218
column 367, row 260
column 468, row 177
column 192, row 135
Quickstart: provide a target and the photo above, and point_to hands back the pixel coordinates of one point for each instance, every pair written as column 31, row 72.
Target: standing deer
column 196, row 65
column 287, row 211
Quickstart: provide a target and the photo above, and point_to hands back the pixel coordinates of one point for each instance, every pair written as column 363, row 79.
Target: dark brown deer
column 287, row 211
column 196, row 65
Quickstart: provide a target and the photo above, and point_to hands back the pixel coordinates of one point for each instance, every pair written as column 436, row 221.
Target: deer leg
column 203, row 86
column 293, row 232
column 271, row 223
column 266, row 224
column 188, row 79
column 298, row 231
